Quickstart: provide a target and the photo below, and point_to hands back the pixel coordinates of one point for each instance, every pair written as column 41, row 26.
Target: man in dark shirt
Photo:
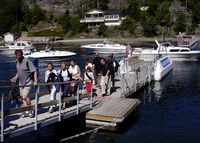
column 104, row 81
column 112, row 71
column 97, row 66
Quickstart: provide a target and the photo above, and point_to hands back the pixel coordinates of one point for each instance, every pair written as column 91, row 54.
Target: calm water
column 169, row 112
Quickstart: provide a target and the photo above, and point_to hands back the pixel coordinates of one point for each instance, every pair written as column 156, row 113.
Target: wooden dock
column 112, row 112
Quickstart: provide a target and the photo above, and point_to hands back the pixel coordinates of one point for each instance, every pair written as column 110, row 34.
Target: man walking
column 97, row 66
column 27, row 75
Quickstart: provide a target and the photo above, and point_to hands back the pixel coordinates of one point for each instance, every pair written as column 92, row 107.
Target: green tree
column 19, row 26
column 75, row 25
column 35, row 15
column 163, row 12
column 134, row 10
column 128, row 24
column 10, row 13
column 150, row 27
column 64, row 21
column 180, row 25
column 103, row 30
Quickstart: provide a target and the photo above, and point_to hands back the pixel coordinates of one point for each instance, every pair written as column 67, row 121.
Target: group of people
column 100, row 72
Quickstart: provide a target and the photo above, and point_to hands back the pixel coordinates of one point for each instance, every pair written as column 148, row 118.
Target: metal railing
column 38, row 105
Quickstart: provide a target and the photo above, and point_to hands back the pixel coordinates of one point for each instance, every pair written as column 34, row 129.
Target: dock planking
column 112, row 111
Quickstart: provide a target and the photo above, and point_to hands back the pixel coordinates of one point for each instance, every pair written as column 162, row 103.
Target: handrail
column 36, row 105
column 40, row 84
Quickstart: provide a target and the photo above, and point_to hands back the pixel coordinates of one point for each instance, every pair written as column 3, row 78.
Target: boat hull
column 12, row 51
column 107, row 49
column 172, row 56
column 51, row 54
column 162, row 67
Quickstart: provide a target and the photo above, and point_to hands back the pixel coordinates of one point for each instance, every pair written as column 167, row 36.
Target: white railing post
column 60, row 103
column 36, row 106
column 91, row 98
column 2, row 117
column 77, row 100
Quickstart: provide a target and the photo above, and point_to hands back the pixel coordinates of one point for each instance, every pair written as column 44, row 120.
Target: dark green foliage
column 10, row 13
column 134, row 10
column 64, row 21
column 35, row 15
column 103, row 30
column 150, row 27
column 180, row 25
column 128, row 24
column 75, row 25
column 19, row 26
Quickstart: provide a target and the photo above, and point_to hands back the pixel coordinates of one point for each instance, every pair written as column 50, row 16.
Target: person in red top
column 88, row 75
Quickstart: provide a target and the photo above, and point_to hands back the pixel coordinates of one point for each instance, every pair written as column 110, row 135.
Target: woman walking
column 51, row 77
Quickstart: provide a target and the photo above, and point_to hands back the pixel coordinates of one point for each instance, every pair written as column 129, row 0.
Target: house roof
column 95, row 11
column 8, row 33
column 115, row 11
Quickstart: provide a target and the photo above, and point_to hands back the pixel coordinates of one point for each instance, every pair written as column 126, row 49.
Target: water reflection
column 154, row 91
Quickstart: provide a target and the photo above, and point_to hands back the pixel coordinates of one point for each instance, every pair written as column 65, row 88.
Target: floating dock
column 111, row 112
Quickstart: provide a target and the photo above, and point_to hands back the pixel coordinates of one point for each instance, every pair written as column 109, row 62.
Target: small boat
column 50, row 54
column 163, row 65
column 175, row 53
column 25, row 46
column 106, row 47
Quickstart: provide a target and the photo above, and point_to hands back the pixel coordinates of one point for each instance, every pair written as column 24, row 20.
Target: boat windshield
column 167, row 44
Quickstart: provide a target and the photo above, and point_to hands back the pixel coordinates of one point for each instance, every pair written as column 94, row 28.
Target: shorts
column 24, row 91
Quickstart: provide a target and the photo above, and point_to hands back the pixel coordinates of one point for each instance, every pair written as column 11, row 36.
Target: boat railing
column 5, row 111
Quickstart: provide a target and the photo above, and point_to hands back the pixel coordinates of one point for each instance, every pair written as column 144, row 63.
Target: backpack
column 53, row 78
column 35, row 63
column 116, row 65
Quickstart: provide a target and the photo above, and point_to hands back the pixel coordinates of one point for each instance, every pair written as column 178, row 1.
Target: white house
column 9, row 37
column 93, row 18
column 113, row 17
column 96, row 17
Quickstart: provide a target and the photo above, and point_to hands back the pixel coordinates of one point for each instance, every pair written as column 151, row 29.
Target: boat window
column 29, row 43
column 174, row 50
column 184, row 50
column 18, row 44
column 23, row 44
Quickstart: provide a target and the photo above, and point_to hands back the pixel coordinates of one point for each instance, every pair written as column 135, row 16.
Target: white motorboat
column 106, row 47
column 163, row 65
column 50, row 54
column 175, row 53
column 25, row 46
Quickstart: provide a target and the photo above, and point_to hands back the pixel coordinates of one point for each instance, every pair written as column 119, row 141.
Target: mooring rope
column 95, row 130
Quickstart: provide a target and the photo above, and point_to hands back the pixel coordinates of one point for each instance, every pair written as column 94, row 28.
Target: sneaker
column 31, row 114
column 24, row 115
column 51, row 109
